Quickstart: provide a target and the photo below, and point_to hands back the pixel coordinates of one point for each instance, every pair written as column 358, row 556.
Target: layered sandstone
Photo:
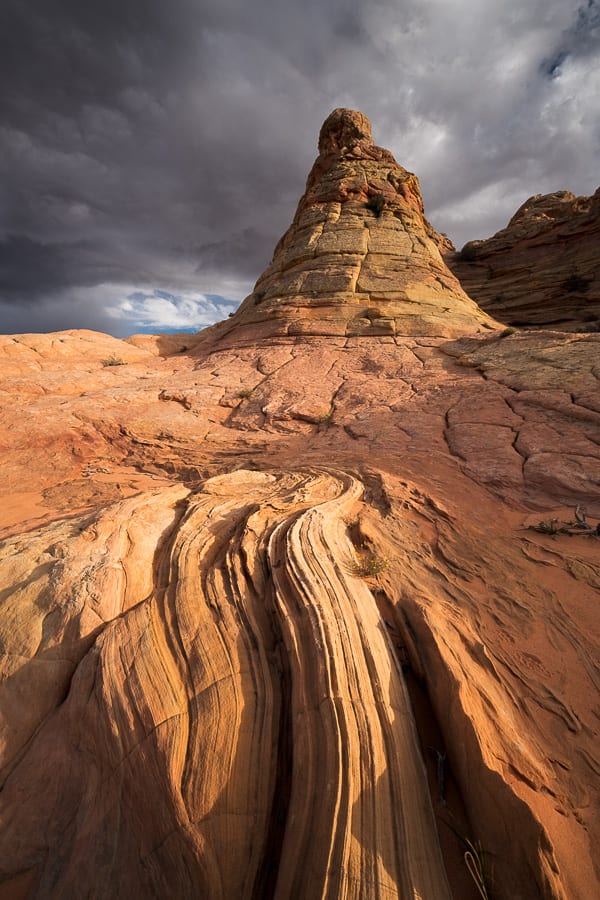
column 274, row 621
column 543, row 269
column 359, row 259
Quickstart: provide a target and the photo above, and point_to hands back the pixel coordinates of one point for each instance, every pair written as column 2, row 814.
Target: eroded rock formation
column 273, row 619
column 359, row 258
column 543, row 269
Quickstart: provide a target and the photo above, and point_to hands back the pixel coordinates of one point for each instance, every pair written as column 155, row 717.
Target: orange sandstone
column 273, row 620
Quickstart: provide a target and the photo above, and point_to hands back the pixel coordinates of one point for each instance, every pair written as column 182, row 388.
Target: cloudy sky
column 152, row 152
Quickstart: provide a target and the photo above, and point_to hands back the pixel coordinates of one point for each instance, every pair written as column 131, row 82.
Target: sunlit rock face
column 359, row 258
column 291, row 612
column 543, row 269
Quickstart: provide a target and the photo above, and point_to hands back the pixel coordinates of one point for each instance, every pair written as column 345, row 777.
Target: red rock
column 359, row 258
column 543, row 269
column 252, row 593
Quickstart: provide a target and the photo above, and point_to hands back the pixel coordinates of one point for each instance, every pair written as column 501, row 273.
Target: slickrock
column 543, row 269
column 296, row 613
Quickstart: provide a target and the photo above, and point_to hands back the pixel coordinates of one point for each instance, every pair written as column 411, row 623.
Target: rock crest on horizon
column 543, row 269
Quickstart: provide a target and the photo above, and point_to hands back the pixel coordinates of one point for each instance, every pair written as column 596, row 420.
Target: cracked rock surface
column 274, row 621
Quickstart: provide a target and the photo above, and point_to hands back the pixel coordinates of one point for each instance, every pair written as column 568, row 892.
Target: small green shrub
column 369, row 565
column 508, row 331
column 376, row 204
column 245, row 393
column 113, row 361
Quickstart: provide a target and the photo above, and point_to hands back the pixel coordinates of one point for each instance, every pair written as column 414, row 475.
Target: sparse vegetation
column 113, row 361
column 369, row 565
column 547, row 526
column 376, row 204
column 245, row 393
column 508, row 331
column 474, row 861
column 579, row 525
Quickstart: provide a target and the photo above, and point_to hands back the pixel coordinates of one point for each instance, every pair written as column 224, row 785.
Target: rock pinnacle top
column 347, row 133
column 344, row 128
column 359, row 258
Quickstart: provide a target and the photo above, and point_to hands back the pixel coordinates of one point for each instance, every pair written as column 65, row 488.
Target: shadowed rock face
column 543, row 269
column 273, row 621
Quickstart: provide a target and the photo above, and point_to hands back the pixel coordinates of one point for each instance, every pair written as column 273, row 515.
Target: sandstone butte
column 543, row 269
column 278, row 618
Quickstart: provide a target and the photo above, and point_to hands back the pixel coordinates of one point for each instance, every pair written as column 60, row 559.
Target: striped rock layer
column 312, row 613
column 359, row 258
column 543, row 269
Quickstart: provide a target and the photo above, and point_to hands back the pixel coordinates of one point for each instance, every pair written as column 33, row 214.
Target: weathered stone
column 360, row 227
column 255, row 596
column 543, row 269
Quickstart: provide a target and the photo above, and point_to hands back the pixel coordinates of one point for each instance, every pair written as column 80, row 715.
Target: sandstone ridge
column 543, row 269
column 291, row 613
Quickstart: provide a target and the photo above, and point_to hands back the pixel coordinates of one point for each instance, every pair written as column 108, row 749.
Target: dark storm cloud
column 581, row 39
column 148, row 146
column 584, row 36
column 139, row 140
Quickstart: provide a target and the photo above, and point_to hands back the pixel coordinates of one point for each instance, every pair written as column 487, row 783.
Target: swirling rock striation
column 274, row 622
column 219, row 703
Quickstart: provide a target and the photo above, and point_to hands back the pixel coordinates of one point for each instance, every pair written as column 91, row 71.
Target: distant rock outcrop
column 306, row 605
column 543, row 269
